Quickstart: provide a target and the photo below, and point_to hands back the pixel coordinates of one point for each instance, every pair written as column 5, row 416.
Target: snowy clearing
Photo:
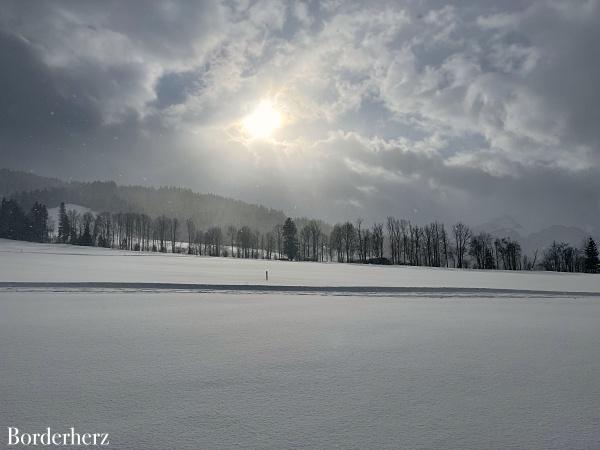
column 28, row 263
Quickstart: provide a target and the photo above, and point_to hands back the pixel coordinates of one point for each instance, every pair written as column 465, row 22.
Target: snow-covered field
column 158, row 366
column 28, row 262
column 221, row 371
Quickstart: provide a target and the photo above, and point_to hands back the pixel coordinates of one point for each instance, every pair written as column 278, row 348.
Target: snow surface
column 158, row 367
column 29, row 262
column 220, row 371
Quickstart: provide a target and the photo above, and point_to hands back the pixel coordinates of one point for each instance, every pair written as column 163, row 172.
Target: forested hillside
column 205, row 209
column 12, row 181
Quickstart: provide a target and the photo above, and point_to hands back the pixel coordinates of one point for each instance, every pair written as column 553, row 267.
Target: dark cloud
column 174, row 88
column 35, row 99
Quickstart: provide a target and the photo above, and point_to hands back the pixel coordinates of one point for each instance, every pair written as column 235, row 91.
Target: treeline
column 404, row 243
column 205, row 209
column 15, row 223
column 397, row 242
column 562, row 257
column 140, row 232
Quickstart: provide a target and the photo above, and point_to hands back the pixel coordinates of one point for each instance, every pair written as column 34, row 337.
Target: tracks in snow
column 382, row 291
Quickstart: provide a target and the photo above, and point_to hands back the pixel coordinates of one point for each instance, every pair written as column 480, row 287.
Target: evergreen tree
column 489, row 259
column 290, row 239
column 74, row 221
column 64, row 227
column 13, row 221
column 86, row 236
column 3, row 219
column 38, row 223
column 592, row 263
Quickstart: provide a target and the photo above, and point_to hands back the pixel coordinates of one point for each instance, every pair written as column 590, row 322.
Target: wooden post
column 266, row 275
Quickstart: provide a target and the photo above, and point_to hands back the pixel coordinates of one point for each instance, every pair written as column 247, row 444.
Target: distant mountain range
column 206, row 209
column 507, row 226
column 504, row 226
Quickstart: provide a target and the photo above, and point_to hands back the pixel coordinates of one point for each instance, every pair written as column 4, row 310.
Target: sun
column 263, row 121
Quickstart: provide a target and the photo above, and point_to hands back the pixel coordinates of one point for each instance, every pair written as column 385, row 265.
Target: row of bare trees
column 425, row 245
column 140, row 232
column 408, row 244
column 397, row 242
column 562, row 257
column 418, row 245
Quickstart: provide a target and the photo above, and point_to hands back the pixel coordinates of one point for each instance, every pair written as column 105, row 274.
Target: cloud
column 450, row 109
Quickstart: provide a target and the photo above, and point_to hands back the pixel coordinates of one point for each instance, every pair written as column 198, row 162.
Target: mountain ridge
column 206, row 209
column 507, row 226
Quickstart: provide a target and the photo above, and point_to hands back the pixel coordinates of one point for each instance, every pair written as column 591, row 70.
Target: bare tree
column 395, row 229
column 481, row 249
column 360, row 241
column 174, row 226
column 191, row 230
column 349, row 240
column 278, row 232
column 232, row 233
column 444, row 238
column 335, row 243
column 462, row 234
column 377, row 240
column 315, row 235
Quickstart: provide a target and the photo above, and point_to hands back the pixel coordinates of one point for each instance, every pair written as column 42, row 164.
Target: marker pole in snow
column 266, row 275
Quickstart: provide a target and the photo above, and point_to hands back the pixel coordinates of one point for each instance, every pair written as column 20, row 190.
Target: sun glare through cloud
column 263, row 121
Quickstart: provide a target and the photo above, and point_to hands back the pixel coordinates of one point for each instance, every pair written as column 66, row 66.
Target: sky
column 424, row 109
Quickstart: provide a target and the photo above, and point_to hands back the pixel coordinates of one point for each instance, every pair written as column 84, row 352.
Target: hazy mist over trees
column 177, row 220
column 350, row 242
column 205, row 209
